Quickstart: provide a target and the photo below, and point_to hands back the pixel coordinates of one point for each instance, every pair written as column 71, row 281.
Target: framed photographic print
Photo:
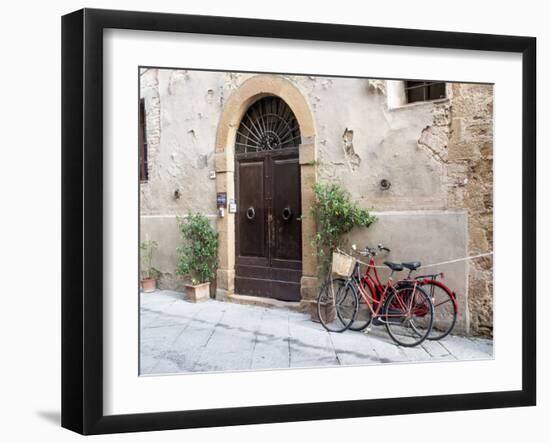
column 270, row 221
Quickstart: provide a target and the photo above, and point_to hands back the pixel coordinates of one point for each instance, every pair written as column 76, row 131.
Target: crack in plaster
column 352, row 158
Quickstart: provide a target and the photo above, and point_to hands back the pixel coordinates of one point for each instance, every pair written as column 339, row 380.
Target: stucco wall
column 429, row 237
column 436, row 155
column 360, row 141
column 182, row 114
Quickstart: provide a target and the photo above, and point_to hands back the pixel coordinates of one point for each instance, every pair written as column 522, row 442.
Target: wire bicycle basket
column 342, row 264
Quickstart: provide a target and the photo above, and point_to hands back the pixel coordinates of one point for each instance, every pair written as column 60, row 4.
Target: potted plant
column 336, row 215
column 149, row 275
column 198, row 255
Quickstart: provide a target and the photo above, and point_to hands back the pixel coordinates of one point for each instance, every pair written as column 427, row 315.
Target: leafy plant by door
column 336, row 215
column 199, row 253
column 146, row 257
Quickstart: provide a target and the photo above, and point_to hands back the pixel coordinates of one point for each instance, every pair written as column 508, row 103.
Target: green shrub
column 336, row 215
column 199, row 252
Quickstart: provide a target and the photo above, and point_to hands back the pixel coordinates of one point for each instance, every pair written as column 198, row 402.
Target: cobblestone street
column 178, row 336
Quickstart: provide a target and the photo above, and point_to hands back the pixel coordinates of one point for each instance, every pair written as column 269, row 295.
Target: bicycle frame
column 373, row 281
column 377, row 288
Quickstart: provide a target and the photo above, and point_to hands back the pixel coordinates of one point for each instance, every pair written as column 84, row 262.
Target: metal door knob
column 250, row 213
column 287, row 214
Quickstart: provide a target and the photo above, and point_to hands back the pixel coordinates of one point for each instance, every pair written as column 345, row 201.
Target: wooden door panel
column 287, row 211
column 251, row 216
column 269, row 246
column 252, row 286
column 285, row 290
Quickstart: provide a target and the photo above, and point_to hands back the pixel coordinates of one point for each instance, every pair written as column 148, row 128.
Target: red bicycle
column 443, row 298
column 406, row 311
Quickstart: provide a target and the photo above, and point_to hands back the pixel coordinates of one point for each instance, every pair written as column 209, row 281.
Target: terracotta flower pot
column 149, row 284
column 197, row 293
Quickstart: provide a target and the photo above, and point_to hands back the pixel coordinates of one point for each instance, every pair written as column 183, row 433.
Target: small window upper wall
column 404, row 92
column 423, row 91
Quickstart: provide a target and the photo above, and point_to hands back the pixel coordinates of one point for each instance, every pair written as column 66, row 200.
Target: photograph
column 301, row 220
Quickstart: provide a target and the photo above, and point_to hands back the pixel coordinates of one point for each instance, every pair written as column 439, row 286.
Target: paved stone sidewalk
column 178, row 336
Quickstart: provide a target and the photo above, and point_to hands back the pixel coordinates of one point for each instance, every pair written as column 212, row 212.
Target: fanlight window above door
column 268, row 124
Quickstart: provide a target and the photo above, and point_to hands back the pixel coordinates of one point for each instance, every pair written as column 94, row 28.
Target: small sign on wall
column 221, row 200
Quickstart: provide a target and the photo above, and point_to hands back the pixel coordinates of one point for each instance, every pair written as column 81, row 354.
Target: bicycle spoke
column 336, row 305
column 415, row 308
column 442, row 303
column 403, row 304
column 364, row 313
column 445, row 309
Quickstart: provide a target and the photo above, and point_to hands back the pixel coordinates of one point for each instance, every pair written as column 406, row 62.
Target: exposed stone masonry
column 461, row 138
column 470, row 186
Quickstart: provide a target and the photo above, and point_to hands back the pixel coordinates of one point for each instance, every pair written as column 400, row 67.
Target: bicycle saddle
column 412, row 265
column 394, row 266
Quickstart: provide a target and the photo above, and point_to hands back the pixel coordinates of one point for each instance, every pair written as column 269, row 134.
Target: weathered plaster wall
column 180, row 131
column 182, row 115
column 360, row 141
column 437, row 157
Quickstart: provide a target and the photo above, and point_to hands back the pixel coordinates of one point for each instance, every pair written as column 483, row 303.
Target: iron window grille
column 268, row 124
column 418, row 91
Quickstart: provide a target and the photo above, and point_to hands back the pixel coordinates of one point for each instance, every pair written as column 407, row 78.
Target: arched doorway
column 235, row 108
column 268, row 232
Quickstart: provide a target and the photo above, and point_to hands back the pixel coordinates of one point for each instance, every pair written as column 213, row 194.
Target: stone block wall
column 471, row 187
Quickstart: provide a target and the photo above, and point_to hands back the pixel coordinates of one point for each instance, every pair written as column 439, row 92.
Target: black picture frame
column 82, row 219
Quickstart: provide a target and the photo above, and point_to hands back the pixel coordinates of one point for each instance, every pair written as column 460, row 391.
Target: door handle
column 250, row 213
column 287, row 214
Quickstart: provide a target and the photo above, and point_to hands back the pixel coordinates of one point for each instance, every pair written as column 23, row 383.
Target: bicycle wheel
column 337, row 305
column 364, row 315
column 445, row 309
column 408, row 314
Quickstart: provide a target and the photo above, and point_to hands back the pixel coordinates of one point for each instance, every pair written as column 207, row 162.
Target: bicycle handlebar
column 371, row 252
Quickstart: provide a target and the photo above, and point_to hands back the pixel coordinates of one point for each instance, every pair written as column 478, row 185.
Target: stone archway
column 234, row 109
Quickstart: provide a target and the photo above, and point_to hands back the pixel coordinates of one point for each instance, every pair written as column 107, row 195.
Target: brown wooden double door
column 268, row 227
